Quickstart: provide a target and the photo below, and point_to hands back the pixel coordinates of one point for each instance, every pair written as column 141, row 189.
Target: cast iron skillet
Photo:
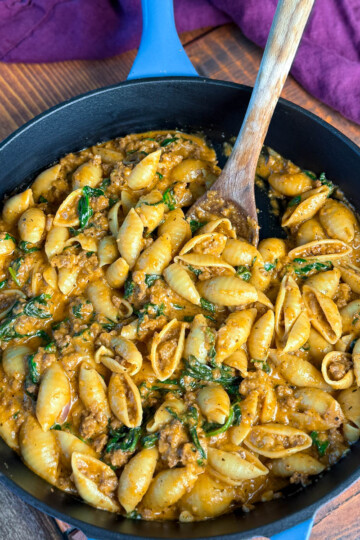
column 187, row 103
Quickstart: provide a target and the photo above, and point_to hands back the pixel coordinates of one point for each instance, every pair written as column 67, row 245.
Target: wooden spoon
column 232, row 195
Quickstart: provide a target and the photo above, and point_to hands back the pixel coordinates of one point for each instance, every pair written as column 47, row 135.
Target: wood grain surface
column 219, row 53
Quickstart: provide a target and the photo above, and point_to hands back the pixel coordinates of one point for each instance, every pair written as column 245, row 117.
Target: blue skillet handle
column 160, row 53
column 299, row 532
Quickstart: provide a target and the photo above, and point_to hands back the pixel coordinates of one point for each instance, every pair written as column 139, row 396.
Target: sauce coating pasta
column 159, row 366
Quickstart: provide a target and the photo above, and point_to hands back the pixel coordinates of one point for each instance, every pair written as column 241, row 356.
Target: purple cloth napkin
column 327, row 63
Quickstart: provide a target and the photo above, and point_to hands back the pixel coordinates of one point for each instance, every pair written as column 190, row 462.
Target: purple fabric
column 327, row 63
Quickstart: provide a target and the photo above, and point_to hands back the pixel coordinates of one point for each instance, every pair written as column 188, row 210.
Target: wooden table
column 220, row 53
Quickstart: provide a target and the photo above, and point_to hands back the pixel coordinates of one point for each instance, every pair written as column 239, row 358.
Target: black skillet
column 188, row 103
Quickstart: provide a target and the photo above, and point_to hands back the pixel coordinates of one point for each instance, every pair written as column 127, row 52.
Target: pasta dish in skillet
column 158, row 366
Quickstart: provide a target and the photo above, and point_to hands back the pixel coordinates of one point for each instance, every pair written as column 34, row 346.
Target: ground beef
column 172, row 439
column 100, row 442
column 92, row 423
column 118, row 458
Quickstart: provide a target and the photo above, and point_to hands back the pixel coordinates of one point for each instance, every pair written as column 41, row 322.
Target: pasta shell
column 338, row 220
column 310, row 231
column 44, row 181
column 99, row 294
column 8, row 298
column 205, row 244
column 89, row 475
column 162, row 415
column 261, row 336
column 108, row 155
column 239, row 253
column 337, row 371
column 131, row 358
column 296, row 463
column 151, row 210
column 234, row 467
column 355, row 358
column 167, row 349
column 87, row 243
column 92, row 390
column 287, row 307
column 351, row 433
column 55, row 241
column 128, row 200
column 318, row 346
column 13, row 360
column 51, row 278
column 189, row 170
column 180, row 281
column 297, row 371
column 136, row 477
column 325, row 282
column 227, row 291
column 54, row 395
column 349, row 401
column 39, row 450
column 323, row 313
column 117, row 273
column 143, row 174
column 321, row 250
column 272, row 250
column 350, row 317
column 239, row 361
column 69, row 444
column 156, row 257
column 115, row 216
column 198, row 259
column 277, row 441
column 290, row 184
column 197, row 343
column 310, row 203
column 67, row 214
column 7, row 245
column 125, row 400
column 31, row 225
column 299, row 333
column 88, row 174
column 214, row 403
column 208, row 498
column 329, row 409
column 234, row 333
column 176, row 226
column 107, row 251
column 249, row 416
column 67, row 278
column 222, row 226
column 260, row 277
column 169, row 486
column 16, row 205
column 351, row 275
column 130, row 238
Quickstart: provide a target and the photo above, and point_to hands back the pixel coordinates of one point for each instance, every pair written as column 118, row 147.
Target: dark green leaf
column 77, row 311
column 295, row 200
column 93, row 192
column 321, row 446
column 148, row 441
column 8, row 237
column 208, row 306
column 310, row 174
column 134, row 514
column 263, row 364
column 32, row 310
column 3, row 283
column 195, row 225
column 165, row 142
column 269, row 266
column 195, row 271
column 169, row 198
column 84, row 209
column 188, row 318
column 151, row 278
column 33, row 371
column 243, row 272
column 24, row 246
column 13, row 275
column 177, row 306
column 160, row 176
column 124, row 439
column 318, row 266
column 105, row 183
column 42, row 199
column 326, row 182
column 129, row 287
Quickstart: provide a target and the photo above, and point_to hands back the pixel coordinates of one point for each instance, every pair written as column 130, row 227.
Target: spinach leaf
column 263, row 364
column 24, row 247
column 195, row 271
column 270, row 266
column 169, row 198
column 124, row 439
column 84, row 209
column 177, row 306
column 233, row 419
column 294, row 201
column 188, row 318
column 148, row 441
column 192, row 422
column 42, row 199
column 151, row 278
column 93, row 192
column 310, row 174
column 321, row 446
column 77, row 311
column 161, row 176
column 13, row 275
column 208, row 306
column 243, row 272
column 32, row 310
column 33, row 371
column 326, row 182
column 165, row 142
column 195, row 225
column 302, row 271
column 9, row 237
column 3, row 283
column 129, row 287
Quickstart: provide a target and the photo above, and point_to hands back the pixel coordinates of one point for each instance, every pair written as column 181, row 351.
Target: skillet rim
column 271, row 528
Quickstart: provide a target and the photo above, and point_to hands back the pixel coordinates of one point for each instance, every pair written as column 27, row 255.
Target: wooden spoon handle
column 285, row 34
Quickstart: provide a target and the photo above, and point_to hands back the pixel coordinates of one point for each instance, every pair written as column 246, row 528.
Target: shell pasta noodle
column 161, row 367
